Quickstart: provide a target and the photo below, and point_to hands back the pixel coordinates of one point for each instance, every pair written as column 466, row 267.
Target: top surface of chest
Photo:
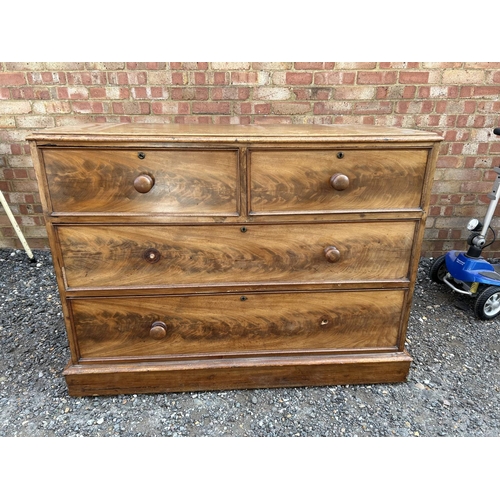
column 234, row 133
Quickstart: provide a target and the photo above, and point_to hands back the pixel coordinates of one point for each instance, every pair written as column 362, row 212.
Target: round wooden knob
column 332, row 254
column 143, row 183
column 339, row 182
column 158, row 330
column 151, row 255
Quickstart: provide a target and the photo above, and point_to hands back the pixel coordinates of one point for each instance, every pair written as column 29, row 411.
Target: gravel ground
column 452, row 389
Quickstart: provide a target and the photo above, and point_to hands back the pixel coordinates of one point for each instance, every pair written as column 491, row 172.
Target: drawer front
column 212, row 324
column 119, row 181
column 329, row 180
column 140, row 256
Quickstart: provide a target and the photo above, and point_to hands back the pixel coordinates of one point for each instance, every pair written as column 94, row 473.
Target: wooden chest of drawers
column 222, row 257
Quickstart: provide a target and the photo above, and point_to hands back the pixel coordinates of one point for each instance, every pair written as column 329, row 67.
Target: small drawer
column 335, row 180
column 204, row 325
column 140, row 182
column 220, row 255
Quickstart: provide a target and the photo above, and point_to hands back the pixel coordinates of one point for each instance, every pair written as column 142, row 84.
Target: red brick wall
column 460, row 101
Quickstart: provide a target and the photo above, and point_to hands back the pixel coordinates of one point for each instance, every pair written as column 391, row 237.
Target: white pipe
column 16, row 227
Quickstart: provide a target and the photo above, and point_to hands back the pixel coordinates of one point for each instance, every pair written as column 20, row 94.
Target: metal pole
column 16, row 227
column 494, row 196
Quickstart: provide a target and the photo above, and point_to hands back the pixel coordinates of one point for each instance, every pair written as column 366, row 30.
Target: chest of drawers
column 222, row 257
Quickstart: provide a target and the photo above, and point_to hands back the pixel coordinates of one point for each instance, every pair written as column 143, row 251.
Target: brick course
column 459, row 100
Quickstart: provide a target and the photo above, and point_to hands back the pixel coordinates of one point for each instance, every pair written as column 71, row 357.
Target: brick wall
column 460, row 101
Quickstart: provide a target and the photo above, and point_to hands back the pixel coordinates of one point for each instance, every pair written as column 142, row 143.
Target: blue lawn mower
column 467, row 272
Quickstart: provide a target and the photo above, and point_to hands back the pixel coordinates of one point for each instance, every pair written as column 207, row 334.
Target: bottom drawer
column 258, row 323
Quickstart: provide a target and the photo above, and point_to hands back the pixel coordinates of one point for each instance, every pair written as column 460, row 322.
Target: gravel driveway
column 452, row 390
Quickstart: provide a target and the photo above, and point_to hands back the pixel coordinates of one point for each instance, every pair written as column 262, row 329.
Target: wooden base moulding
column 94, row 380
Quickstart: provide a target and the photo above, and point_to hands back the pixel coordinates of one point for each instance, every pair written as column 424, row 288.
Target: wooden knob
column 151, row 255
column 143, row 183
column 339, row 182
column 158, row 330
column 332, row 254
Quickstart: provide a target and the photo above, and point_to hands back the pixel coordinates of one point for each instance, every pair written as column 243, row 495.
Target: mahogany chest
column 194, row 257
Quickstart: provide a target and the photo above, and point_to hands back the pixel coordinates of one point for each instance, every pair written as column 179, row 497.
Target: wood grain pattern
column 240, row 373
column 204, row 324
column 161, row 288
column 210, row 133
column 299, row 181
column 185, row 182
column 100, row 256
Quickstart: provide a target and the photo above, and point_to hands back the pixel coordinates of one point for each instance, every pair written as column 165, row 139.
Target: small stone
column 100, row 421
column 254, row 400
column 420, row 386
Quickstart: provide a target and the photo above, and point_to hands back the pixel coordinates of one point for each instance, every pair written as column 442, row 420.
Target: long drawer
column 139, row 256
column 335, row 180
column 150, row 181
column 254, row 323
